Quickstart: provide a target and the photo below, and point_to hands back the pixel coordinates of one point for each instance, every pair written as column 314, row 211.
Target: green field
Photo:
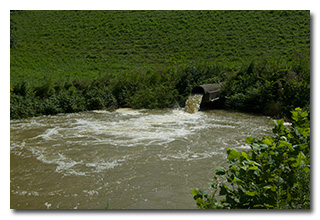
column 110, row 59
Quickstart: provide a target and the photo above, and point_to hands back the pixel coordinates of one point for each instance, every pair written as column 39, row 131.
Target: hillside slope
column 71, row 61
column 89, row 43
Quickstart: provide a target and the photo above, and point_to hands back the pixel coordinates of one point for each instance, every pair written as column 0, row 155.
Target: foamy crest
column 141, row 128
column 68, row 166
column 193, row 103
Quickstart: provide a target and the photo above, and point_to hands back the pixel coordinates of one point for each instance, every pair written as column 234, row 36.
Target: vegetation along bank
column 70, row 61
column 273, row 174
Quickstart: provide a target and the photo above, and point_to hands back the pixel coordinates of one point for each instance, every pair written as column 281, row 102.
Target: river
column 130, row 159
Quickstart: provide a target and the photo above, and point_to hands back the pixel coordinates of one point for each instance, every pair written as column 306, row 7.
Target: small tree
column 274, row 173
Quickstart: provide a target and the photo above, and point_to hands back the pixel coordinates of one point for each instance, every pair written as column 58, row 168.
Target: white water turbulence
column 193, row 103
column 130, row 159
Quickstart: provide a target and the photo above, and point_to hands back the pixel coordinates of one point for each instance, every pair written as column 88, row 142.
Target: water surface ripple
column 132, row 159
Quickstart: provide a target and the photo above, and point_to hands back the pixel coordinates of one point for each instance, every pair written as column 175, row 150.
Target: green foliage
column 50, row 98
column 274, row 173
column 269, row 85
column 153, row 97
column 263, row 86
column 195, row 73
column 107, row 205
column 152, row 59
column 99, row 96
column 13, row 29
column 73, row 44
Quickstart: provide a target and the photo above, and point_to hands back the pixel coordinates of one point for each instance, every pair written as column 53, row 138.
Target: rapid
column 128, row 159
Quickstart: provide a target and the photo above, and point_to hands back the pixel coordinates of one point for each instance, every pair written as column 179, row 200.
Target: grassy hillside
column 89, row 43
column 51, row 48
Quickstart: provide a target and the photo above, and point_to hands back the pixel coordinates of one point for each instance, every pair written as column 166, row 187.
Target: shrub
column 274, row 173
column 159, row 96
column 69, row 101
column 267, row 81
column 21, row 107
column 99, row 98
column 49, row 98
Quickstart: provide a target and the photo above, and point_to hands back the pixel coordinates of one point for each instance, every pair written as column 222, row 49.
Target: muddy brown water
column 130, row 159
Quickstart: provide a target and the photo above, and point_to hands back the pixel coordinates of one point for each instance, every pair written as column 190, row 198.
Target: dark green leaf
column 213, row 185
column 220, row 171
column 223, row 190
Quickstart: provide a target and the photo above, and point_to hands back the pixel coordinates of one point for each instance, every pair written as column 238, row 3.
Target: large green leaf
column 300, row 159
column 283, row 144
column 233, row 154
column 249, row 140
column 220, row 171
column 267, row 141
column 251, row 193
column 194, row 192
column 244, row 155
column 253, row 168
column 295, row 115
column 223, row 190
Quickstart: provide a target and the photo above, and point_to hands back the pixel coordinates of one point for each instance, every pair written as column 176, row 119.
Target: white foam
column 65, row 145
column 128, row 111
column 91, row 192
column 188, row 156
column 25, row 193
column 47, row 135
column 143, row 128
column 48, row 205
column 100, row 166
column 63, row 164
column 101, row 111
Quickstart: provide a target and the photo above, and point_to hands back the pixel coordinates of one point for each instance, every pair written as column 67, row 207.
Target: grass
column 141, row 55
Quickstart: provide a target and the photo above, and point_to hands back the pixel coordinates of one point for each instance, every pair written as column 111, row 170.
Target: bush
column 50, row 99
column 99, row 98
column 268, row 81
column 21, row 107
column 266, row 85
column 159, row 96
column 197, row 74
column 274, row 173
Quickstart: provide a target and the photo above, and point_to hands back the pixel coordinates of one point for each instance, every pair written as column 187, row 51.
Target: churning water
column 130, row 159
column 193, row 103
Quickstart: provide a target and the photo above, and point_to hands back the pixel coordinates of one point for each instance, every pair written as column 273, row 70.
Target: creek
column 130, row 159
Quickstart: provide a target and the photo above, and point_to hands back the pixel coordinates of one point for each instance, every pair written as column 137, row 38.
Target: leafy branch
column 274, row 173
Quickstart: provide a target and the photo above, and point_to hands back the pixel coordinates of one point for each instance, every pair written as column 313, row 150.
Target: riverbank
column 72, row 61
column 264, row 86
